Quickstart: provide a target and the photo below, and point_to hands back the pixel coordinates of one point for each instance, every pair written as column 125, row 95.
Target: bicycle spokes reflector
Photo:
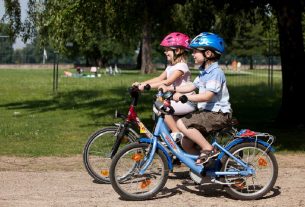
column 262, row 162
column 105, row 173
column 137, row 157
column 145, row 183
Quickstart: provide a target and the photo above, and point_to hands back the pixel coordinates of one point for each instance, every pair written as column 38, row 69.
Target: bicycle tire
column 266, row 169
column 96, row 153
column 135, row 186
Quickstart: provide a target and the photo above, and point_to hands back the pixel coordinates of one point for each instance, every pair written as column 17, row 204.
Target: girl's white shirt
column 185, row 78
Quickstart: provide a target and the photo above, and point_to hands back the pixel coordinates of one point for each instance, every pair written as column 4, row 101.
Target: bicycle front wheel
column 126, row 179
column 261, row 182
column 96, row 154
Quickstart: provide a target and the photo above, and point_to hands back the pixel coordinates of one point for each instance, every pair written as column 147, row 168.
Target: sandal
column 205, row 156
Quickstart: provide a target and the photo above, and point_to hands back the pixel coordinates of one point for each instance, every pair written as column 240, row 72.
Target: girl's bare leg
column 171, row 123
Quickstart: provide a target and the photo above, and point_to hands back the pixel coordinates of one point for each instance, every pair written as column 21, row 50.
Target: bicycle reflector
column 137, row 157
column 105, row 173
column 262, row 162
column 145, row 183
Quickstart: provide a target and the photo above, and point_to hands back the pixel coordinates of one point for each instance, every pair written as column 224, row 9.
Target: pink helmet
column 175, row 40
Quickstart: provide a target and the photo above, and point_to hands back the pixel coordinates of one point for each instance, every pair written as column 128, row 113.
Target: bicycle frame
column 189, row 159
column 131, row 118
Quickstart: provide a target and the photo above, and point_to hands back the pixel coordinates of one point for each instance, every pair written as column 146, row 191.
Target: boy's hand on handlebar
column 177, row 96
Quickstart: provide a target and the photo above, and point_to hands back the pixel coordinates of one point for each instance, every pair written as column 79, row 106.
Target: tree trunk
column 293, row 61
column 251, row 63
column 139, row 57
column 146, row 66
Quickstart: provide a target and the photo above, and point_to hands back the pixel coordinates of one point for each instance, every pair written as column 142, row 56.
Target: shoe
column 176, row 161
column 177, row 136
column 205, row 156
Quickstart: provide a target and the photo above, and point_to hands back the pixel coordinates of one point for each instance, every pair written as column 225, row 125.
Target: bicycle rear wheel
column 124, row 172
column 96, row 153
column 266, row 171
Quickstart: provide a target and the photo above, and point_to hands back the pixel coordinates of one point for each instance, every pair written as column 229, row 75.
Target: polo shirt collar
column 209, row 69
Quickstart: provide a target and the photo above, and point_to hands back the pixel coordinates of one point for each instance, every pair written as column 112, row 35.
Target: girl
column 177, row 73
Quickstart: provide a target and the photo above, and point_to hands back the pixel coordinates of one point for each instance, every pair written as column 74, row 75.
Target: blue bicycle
column 246, row 166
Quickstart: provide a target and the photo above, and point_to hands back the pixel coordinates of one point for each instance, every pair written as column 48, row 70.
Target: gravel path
column 54, row 181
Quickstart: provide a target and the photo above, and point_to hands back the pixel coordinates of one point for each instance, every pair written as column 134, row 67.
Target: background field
column 36, row 122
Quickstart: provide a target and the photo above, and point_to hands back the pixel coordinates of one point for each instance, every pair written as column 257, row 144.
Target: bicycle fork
column 150, row 158
column 120, row 134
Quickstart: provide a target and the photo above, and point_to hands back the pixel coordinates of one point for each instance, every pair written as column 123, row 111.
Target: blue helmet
column 208, row 41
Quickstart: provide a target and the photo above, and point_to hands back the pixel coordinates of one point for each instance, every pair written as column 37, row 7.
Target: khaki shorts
column 206, row 121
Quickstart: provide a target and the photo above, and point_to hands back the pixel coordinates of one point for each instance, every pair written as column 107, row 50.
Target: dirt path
column 51, row 181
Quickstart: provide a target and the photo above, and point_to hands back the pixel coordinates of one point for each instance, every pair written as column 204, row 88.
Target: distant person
column 177, row 73
column 79, row 70
column 234, row 65
column 214, row 108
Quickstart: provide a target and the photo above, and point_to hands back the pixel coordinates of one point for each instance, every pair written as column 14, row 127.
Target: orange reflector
column 145, row 183
column 262, row 162
column 105, row 173
column 137, row 157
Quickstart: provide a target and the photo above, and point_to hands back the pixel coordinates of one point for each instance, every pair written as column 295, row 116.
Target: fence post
column 55, row 72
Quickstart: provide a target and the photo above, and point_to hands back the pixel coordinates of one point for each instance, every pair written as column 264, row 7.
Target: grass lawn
column 36, row 122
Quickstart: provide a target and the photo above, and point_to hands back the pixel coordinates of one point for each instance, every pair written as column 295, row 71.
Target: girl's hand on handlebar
column 163, row 88
column 136, row 84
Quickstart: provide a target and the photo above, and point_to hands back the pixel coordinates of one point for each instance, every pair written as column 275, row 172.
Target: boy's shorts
column 206, row 121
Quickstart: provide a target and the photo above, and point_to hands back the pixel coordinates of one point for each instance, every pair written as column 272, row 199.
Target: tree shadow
column 107, row 101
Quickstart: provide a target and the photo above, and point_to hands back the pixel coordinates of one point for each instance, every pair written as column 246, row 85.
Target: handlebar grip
column 183, row 99
column 147, row 87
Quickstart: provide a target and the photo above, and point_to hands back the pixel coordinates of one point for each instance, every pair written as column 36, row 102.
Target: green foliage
column 194, row 16
column 6, row 45
column 104, row 31
column 12, row 17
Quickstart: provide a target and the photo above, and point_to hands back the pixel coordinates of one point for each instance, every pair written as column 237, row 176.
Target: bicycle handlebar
column 164, row 105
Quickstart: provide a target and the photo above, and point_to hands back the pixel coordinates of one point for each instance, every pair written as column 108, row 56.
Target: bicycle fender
column 243, row 140
column 162, row 148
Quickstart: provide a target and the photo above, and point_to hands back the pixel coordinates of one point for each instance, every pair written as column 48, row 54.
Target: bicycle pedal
column 239, row 184
column 210, row 164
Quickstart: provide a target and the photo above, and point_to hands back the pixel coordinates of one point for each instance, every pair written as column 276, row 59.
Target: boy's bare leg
column 189, row 146
column 195, row 136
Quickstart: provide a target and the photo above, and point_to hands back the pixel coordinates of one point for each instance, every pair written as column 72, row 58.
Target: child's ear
column 208, row 53
column 178, row 51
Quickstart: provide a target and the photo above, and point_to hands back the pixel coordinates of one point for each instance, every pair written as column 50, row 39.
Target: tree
column 289, row 21
column 143, row 20
column 6, row 45
column 289, row 17
column 12, row 18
